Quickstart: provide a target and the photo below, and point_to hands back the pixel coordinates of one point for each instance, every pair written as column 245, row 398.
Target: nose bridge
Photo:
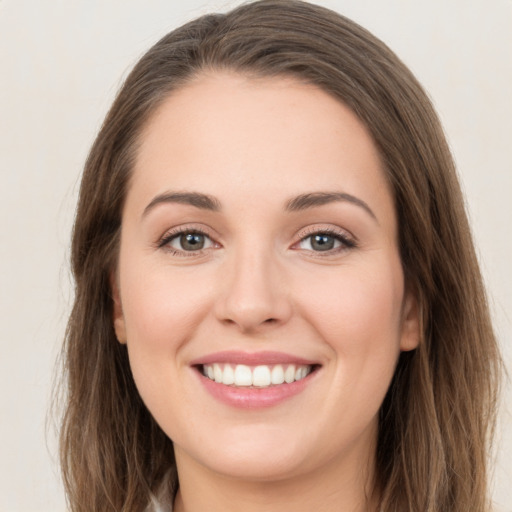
column 254, row 292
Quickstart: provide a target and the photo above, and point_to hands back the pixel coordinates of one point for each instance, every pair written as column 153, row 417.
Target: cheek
column 162, row 309
column 358, row 312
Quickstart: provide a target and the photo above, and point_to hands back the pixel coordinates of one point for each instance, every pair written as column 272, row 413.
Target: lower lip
column 254, row 398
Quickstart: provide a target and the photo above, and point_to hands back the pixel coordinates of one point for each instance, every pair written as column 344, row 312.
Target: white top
column 158, row 505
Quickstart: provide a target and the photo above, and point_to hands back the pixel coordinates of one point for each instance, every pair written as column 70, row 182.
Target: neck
column 342, row 485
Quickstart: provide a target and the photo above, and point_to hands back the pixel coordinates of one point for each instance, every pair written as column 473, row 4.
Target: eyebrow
column 202, row 201
column 296, row 204
column 315, row 199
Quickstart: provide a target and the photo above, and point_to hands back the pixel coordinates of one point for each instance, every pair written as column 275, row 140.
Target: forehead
column 228, row 135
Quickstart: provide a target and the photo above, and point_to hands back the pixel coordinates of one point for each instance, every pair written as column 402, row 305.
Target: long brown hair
column 437, row 418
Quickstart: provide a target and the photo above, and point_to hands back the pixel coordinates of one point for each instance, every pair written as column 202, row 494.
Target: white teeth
column 217, row 373
column 289, row 374
column 277, row 374
column 259, row 376
column 243, row 375
column 228, row 376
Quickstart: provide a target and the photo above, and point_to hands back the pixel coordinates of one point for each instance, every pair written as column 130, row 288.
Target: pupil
column 322, row 242
column 192, row 241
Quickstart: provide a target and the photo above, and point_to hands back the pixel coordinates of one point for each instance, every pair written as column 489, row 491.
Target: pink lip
column 254, row 398
column 251, row 358
column 249, row 397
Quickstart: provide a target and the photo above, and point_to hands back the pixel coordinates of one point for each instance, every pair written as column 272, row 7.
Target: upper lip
column 251, row 358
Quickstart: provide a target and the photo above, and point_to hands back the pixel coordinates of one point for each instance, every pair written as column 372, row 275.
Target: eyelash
column 172, row 235
column 347, row 242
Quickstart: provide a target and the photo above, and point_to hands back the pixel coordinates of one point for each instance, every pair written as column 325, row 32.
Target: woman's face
column 259, row 247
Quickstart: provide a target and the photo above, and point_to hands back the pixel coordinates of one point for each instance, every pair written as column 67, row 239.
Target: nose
column 254, row 296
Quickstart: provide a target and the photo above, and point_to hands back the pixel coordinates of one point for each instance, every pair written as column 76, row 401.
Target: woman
column 277, row 297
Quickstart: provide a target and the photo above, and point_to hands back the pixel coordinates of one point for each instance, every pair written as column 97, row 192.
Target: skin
column 259, row 284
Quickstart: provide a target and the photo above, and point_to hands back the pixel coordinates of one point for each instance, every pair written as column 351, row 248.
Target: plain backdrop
column 61, row 62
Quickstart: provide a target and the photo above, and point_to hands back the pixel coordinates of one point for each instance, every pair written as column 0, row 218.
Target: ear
column 117, row 315
column 411, row 323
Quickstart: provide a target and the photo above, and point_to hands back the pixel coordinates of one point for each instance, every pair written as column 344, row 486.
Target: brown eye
column 326, row 242
column 192, row 241
column 322, row 242
column 189, row 241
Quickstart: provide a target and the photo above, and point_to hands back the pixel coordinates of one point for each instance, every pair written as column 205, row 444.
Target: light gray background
column 60, row 65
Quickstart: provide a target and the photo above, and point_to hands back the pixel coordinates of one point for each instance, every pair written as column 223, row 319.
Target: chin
column 255, row 454
column 259, row 467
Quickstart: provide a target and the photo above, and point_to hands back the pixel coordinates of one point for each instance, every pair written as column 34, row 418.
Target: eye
column 326, row 241
column 319, row 242
column 187, row 241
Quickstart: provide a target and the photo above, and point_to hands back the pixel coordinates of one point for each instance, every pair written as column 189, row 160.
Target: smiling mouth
column 260, row 376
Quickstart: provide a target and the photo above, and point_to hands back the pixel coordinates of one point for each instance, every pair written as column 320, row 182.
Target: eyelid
column 173, row 233
column 348, row 240
column 325, row 228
